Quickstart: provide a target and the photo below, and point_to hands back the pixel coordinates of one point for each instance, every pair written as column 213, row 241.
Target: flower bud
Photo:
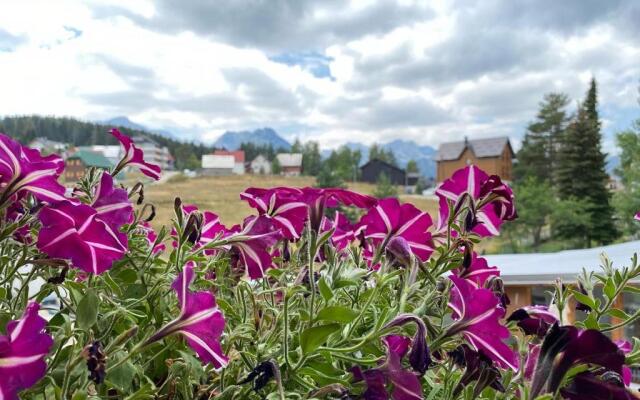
column 399, row 248
column 419, row 357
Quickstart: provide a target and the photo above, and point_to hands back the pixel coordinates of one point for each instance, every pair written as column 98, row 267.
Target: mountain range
column 263, row 136
column 403, row 150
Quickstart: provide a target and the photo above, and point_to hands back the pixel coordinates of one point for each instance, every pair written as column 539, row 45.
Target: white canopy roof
column 544, row 268
column 218, row 161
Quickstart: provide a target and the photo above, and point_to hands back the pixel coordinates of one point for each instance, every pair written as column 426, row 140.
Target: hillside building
column 373, row 169
column 290, row 163
column 494, row 156
column 217, row 165
column 260, row 165
column 154, row 153
column 238, row 160
column 76, row 165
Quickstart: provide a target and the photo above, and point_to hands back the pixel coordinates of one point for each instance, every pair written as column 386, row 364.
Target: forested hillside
column 82, row 133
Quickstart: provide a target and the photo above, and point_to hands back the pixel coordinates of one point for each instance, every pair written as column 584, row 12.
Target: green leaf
column 122, row 377
column 337, row 314
column 584, row 299
column 312, row 338
column 616, row 313
column 610, row 289
column 87, row 311
column 325, row 290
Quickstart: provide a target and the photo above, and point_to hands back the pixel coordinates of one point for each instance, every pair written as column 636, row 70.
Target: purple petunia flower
column 151, row 237
column 134, row 156
column 406, row 384
column 22, row 353
column 534, row 320
column 200, row 321
column 112, row 204
column 490, row 200
column 589, row 386
column 568, row 346
column 75, row 231
column 253, row 242
column 283, row 205
column 477, row 313
column 626, row 348
column 389, row 219
column 478, row 271
column 25, row 170
column 344, row 232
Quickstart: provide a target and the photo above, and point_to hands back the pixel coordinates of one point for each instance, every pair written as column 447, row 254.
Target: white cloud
column 396, row 70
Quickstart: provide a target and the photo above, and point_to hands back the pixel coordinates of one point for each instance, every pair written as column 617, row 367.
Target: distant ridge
column 264, row 136
column 404, row 151
column 125, row 122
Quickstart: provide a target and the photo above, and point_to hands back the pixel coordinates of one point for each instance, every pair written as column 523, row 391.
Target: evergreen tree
column 327, row 178
column 580, row 172
column 412, row 166
column 537, row 157
column 378, row 152
column 384, row 187
column 276, row 168
column 627, row 200
column 311, row 158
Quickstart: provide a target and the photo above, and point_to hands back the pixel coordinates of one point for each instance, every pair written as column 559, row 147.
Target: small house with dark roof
column 493, row 155
column 76, row 165
column 371, row 171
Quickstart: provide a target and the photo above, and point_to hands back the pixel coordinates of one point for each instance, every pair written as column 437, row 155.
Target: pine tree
column 580, row 173
column 537, row 157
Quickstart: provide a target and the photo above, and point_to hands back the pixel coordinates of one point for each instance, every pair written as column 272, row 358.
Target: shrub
column 289, row 304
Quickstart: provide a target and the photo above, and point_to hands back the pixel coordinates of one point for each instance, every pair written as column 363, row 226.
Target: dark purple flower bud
column 587, row 386
column 193, row 228
column 96, row 361
column 479, row 369
column 286, row 253
column 581, row 306
column 400, row 250
column 419, row 356
column 261, row 374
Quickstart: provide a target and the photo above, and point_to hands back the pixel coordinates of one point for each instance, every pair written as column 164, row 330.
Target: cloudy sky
column 330, row 70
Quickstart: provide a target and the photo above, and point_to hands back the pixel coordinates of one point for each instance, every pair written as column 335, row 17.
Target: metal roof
column 92, row 159
column 490, row 147
column 218, row 161
column 290, row 159
column 544, row 268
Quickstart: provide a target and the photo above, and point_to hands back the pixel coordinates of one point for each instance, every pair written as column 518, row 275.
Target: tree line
column 82, row 133
column 561, row 183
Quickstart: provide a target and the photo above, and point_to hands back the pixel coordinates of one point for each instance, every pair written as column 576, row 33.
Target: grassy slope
column 220, row 195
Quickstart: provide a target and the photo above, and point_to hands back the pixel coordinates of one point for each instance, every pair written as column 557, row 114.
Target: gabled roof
column 238, row 155
column 218, row 161
column 381, row 162
column 290, row 159
column 260, row 159
column 490, row 147
column 92, row 159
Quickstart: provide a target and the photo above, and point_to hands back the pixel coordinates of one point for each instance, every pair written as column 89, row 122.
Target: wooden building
column 371, row 171
column 290, row 163
column 493, row 155
column 77, row 164
column 528, row 279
